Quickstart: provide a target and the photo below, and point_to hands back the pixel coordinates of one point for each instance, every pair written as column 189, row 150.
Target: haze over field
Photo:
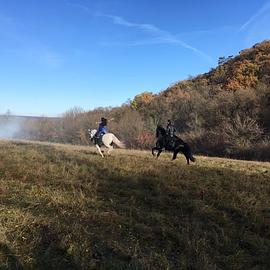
column 9, row 130
column 12, row 126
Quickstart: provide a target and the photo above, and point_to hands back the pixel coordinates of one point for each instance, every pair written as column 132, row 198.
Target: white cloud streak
column 80, row 6
column 255, row 16
column 159, row 36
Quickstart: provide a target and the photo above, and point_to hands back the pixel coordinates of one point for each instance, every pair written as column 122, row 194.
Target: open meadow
column 64, row 207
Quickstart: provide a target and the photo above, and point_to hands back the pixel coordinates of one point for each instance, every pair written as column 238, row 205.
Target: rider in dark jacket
column 170, row 131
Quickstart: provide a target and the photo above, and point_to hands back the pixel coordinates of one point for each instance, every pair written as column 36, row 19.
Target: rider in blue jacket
column 101, row 129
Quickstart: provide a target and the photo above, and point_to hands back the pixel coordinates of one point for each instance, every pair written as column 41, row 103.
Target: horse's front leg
column 157, row 149
column 99, row 150
column 175, row 152
column 159, row 152
column 153, row 150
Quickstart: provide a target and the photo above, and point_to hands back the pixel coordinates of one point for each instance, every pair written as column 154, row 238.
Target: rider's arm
column 100, row 126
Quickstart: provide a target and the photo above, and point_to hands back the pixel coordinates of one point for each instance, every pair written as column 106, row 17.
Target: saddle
column 170, row 141
column 98, row 140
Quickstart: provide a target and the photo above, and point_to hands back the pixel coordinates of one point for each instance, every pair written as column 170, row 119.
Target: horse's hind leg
column 187, row 158
column 193, row 159
column 188, row 154
column 108, row 144
column 110, row 149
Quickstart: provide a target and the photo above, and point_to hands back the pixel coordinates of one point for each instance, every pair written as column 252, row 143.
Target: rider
column 170, row 132
column 101, row 130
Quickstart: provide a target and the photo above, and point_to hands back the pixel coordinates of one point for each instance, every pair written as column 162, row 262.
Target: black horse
column 174, row 144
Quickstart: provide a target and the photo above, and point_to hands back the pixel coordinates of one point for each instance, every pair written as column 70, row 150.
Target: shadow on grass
column 11, row 260
column 48, row 254
column 152, row 214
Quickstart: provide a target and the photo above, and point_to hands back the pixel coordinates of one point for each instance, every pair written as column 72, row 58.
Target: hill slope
column 63, row 207
column 225, row 112
column 246, row 70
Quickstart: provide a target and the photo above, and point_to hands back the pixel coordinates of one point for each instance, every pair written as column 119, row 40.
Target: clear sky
column 57, row 54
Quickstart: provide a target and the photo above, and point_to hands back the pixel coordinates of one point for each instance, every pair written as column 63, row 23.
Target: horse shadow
column 11, row 260
column 49, row 254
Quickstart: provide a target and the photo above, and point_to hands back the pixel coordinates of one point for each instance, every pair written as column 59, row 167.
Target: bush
column 258, row 151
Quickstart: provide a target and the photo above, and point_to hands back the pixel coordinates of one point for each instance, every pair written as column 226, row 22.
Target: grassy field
column 64, row 207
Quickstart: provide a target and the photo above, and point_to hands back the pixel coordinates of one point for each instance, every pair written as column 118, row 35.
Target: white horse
column 107, row 139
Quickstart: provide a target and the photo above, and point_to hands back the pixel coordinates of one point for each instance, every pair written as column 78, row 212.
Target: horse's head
column 92, row 132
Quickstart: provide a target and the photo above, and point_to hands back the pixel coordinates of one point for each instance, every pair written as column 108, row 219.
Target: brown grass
column 64, row 207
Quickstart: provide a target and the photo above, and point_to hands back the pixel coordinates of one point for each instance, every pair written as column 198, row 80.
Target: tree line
column 225, row 112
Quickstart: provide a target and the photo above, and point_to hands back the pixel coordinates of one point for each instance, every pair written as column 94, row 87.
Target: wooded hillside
column 224, row 112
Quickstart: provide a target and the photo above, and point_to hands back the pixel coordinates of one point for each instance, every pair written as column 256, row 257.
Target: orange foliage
column 141, row 100
column 146, row 139
column 244, row 75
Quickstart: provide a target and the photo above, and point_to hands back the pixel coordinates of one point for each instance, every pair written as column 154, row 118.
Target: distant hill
column 246, row 70
column 24, row 117
column 224, row 112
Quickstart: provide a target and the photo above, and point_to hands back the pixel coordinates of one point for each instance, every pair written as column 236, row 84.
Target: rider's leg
column 95, row 139
column 172, row 141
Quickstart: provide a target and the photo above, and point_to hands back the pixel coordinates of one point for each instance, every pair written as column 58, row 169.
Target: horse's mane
column 160, row 131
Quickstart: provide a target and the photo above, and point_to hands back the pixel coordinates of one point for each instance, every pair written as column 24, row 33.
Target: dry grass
column 64, row 207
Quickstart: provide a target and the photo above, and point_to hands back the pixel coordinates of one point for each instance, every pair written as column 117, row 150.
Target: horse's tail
column 193, row 159
column 188, row 152
column 118, row 143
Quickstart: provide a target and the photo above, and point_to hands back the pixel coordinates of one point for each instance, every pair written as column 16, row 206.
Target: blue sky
column 57, row 54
